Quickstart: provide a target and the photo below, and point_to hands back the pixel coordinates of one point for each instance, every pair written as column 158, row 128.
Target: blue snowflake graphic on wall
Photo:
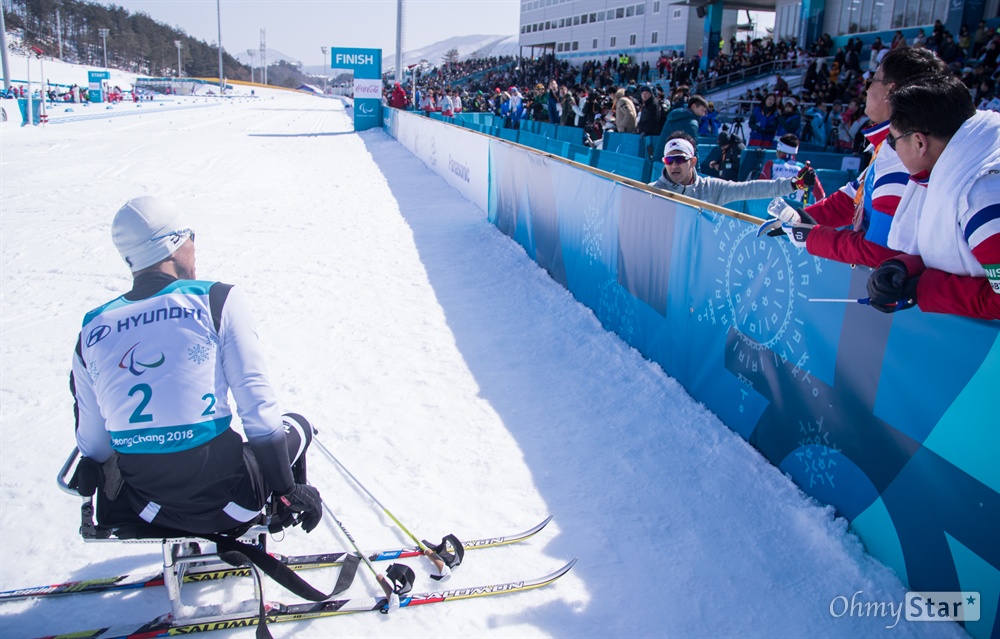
column 198, row 353
column 593, row 233
column 614, row 309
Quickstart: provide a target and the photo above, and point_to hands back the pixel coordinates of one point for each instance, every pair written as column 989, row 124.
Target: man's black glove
column 890, row 287
column 304, row 501
column 87, row 478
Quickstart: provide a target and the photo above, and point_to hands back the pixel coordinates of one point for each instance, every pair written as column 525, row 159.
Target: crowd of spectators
column 597, row 95
column 844, row 102
column 616, row 93
column 829, row 109
column 452, row 71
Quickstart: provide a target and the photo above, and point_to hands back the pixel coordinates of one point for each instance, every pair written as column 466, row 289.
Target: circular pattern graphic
column 759, row 288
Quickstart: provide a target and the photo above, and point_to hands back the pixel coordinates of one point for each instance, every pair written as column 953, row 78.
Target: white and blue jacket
column 151, row 377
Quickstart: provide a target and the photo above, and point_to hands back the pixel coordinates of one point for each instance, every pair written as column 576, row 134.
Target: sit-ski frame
column 179, row 553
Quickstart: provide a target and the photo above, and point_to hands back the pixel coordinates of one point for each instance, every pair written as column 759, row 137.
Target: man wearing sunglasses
column 948, row 220
column 151, row 377
column 679, row 176
column 854, row 221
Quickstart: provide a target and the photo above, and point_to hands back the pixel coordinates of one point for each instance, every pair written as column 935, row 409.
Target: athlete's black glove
column 806, row 179
column 301, row 505
column 797, row 233
column 890, row 287
column 87, row 478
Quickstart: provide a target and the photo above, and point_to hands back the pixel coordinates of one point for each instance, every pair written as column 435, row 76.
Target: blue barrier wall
column 892, row 419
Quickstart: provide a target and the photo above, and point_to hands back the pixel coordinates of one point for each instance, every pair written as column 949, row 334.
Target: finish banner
column 892, row 419
column 367, row 67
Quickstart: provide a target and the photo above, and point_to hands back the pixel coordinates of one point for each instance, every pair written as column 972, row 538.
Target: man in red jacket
column 852, row 224
column 399, row 99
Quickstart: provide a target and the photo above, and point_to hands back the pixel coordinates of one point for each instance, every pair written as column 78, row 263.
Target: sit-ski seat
column 182, row 552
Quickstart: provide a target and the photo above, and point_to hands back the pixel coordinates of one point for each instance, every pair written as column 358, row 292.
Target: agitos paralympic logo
column 136, row 367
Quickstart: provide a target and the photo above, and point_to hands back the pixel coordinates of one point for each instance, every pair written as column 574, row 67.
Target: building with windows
column 596, row 29
column 869, row 19
column 580, row 30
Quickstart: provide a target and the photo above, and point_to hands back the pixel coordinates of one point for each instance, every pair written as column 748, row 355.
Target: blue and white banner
column 460, row 157
column 892, row 419
column 367, row 67
column 95, row 84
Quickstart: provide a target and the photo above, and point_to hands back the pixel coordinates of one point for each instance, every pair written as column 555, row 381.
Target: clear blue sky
column 298, row 28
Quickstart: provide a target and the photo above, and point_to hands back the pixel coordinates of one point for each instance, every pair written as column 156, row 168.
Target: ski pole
column 444, row 571
column 848, row 300
column 808, row 189
column 401, row 575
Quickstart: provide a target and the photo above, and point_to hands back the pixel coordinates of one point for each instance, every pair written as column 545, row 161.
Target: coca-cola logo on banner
column 367, row 91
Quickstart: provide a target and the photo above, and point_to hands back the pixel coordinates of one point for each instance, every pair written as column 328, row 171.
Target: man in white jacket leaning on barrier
column 948, row 220
column 680, row 176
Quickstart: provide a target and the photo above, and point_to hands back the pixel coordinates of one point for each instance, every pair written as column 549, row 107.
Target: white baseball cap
column 147, row 230
column 679, row 146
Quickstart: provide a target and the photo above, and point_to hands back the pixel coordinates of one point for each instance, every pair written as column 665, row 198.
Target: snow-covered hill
column 62, row 73
column 473, row 46
column 273, row 57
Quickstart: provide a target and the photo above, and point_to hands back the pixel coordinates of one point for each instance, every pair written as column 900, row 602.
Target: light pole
column 41, row 88
column 104, row 36
column 263, row 57
column 399, row 41
column 3, row 53
column 218, row 14
column 324, row 50
column 251, row 53
column 178, row 44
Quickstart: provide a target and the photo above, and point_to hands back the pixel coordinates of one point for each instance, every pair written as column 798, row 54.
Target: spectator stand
column 487, row 119
column 627, row 154
column 511, row 135
column 632, row 167
column 737, row 79
column 621, row 154
column 474, row 78
column 534, row 140
column 582, row 154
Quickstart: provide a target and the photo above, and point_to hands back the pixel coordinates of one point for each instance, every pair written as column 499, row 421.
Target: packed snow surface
column 467, row 390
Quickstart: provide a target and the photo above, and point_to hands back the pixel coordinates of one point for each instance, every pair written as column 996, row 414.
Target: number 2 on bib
column 138, row 417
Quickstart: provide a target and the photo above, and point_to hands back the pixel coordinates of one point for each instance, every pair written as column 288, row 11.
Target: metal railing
column 749, row 73
column 475, row 75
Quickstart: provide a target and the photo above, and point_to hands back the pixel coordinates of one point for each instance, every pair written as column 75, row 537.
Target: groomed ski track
column 468, row 390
